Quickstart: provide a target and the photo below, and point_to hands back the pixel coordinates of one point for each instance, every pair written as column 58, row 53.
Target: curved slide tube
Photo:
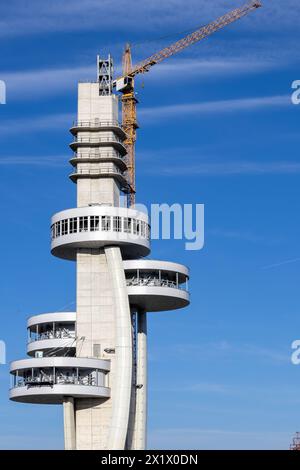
column 123, row 373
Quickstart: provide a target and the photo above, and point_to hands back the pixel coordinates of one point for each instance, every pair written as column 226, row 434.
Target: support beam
column 69, row 423
column 140, row 435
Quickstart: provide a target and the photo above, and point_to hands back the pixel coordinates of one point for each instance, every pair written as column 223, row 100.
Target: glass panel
column 83, row 224
column 117, row 224
column 73, row 225
column 94, row 223
column 105, row 223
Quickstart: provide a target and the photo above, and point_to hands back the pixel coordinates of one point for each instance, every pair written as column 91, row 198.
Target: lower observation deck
column 156, row 286
column 52, row 332
column 98, row 226
column 48, row 380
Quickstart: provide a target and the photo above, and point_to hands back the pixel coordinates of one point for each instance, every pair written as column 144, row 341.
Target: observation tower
column 93, row 361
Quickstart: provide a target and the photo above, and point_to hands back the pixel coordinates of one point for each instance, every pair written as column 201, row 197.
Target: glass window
column 64, row 227
column 117, row 224
column 127, row 225
column 94, row 223
column 73, row 225
column 83, row 224
column 105, row 223
column 134, row 226
column 143, row 229
column 57, row 229
column 52, row 231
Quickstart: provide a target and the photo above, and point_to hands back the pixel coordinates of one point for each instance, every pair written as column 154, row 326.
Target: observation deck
column 155, row 286
column 48, row 380
column 98, row 226
column 52, row 332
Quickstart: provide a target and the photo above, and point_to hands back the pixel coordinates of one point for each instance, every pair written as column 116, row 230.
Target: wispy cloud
column 158, row 113
column 18, row 19
column 226, row 348
column 281, row 263
column 30, row 84
column 34, row 84
column 201, row 387
column 217, row 439
column 40, row 160
column 236, row 168
column 36, row 124
column 215, row 66
column 55, row 16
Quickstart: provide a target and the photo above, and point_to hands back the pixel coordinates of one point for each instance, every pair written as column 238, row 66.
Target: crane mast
column 125, row 84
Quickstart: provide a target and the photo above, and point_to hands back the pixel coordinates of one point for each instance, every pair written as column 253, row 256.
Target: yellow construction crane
column 125, row 84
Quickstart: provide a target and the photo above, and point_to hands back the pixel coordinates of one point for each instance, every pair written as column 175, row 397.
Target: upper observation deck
column 98, row 226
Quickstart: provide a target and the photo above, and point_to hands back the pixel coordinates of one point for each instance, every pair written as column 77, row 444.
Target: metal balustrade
column 95, row 123
column 154, row 282
column 97, row 171
column 100, row 223
column 98, row 155
column 38, row 377
column 96, row 140
column 50, row 334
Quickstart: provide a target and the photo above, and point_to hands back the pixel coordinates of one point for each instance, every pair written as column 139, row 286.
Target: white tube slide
column 121, row 392
column 131, row 423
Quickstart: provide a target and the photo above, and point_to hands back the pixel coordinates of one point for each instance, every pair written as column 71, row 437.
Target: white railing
column 96, row 123
column 51, row 380
column 96, row 140
column 98, row 155
column 153, row 282
column 61, row 334
column 97, row 171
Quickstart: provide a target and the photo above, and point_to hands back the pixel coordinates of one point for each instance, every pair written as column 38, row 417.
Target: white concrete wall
column 92, row 106
column 95, row 191
column 96, row 323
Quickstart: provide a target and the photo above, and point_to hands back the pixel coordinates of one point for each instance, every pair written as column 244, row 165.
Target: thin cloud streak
column 31, row 84
column 217, row 66
column 36, row 124
column 156, row 114
column 237, row 168
column 42, row 160
column 282, row 263
column 56, row 16
column 206, row 351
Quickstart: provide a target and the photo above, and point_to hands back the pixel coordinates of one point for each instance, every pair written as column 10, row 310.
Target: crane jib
column 125, row 84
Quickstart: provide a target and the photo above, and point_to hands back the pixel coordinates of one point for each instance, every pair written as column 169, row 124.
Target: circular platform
column 99, row 226
column 47, row 380
column 50, row 332
column 155, row 286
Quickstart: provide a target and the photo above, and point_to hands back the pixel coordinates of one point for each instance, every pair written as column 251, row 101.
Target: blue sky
column 217, row 127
